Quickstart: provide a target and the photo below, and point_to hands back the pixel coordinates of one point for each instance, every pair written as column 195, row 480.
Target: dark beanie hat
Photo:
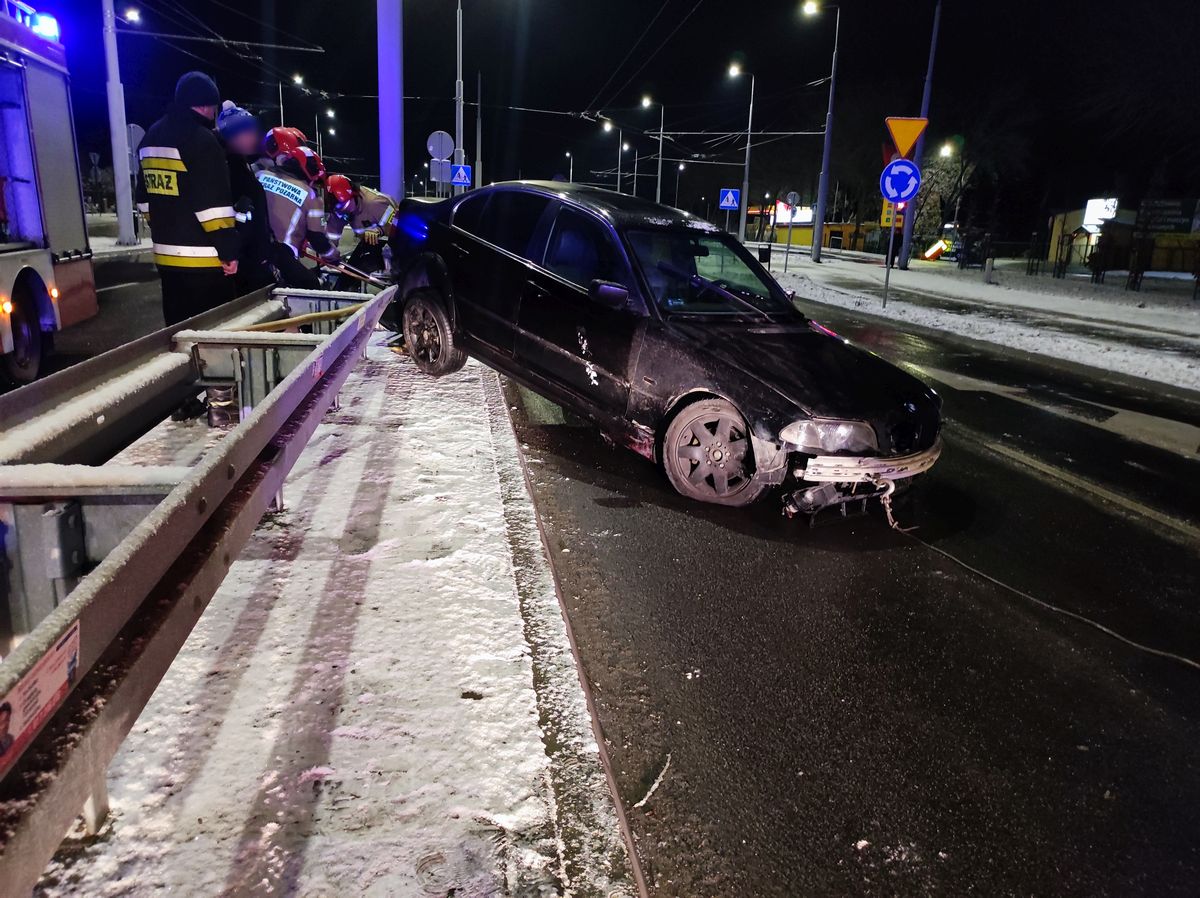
column 197, row 89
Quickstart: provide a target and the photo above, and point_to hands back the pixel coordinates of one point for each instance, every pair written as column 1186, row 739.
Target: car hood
column 821, row 374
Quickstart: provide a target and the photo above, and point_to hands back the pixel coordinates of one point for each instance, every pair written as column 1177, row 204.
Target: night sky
column 1054, row 101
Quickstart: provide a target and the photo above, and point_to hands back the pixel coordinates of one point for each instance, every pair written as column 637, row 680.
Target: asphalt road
column 848, row 710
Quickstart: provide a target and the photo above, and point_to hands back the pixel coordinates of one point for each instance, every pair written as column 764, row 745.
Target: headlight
column 825, row 435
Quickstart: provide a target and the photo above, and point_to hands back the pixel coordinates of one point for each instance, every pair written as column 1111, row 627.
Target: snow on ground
column 1090, row 330
column 381, row 699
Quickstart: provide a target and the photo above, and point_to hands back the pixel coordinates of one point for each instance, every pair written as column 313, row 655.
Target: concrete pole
column 281, row 103
column 746, row 170
column 910, row 220
column 823, row 189
column 459, row 155
column 390, row 44
column 478, row 129
column 118, row 129
column 620, row 152
column 635, row 172
column 662, row 124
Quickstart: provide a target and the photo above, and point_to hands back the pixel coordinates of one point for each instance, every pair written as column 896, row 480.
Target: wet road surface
column 848, row 710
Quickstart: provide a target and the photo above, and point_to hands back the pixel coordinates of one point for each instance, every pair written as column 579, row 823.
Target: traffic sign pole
column 887, row 262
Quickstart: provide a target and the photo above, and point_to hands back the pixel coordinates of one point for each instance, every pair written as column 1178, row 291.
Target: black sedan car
column 664, row 331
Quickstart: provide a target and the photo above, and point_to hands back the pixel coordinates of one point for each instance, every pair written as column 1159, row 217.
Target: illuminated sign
column 796, row 215
column 1099, row 210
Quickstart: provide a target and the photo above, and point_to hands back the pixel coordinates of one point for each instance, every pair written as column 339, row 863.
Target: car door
column 487, row 250
column 578, row 344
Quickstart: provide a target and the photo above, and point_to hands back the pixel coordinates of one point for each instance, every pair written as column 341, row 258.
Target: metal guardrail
column 109, row 566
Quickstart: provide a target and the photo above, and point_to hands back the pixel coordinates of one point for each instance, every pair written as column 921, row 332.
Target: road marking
column 1177, row 528
column 120, row 286
column 1174, row 436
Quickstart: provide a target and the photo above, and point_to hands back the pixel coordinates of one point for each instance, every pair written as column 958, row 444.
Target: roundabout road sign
column 900, row 181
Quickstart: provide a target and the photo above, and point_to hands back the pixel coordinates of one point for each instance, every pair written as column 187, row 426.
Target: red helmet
column 282, row 140
column 311, row 166
column 340, row 188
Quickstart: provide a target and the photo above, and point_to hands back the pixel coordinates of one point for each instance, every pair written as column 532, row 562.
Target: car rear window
column 469, row 213
column 511, row 219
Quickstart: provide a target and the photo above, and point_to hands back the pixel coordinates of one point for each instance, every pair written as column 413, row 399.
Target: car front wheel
column 429, row 336
column 708, row 456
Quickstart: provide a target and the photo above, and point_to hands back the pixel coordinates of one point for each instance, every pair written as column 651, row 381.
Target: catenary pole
column 746, row 170
column 479, row 129
column 118, row 129
column 459, row 154
column 910, row 220
column 662, row 124
column 826, row 151
column 390, row 44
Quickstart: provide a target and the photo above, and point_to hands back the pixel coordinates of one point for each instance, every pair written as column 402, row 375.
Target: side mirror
column 609, row 294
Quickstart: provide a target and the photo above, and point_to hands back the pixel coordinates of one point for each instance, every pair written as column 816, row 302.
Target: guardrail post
column 95, row 809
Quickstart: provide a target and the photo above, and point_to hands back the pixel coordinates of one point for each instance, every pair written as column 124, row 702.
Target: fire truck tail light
column 54, row 293
column 6, row 306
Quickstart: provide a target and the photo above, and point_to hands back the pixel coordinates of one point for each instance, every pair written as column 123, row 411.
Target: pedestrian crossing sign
column 731, row 198
column 460, row 176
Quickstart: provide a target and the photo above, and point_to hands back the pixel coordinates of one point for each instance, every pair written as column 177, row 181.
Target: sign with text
column 36, row 696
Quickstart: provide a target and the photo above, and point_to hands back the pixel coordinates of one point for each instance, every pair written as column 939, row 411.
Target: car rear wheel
column 22, row 365
column 708, row 456
column 429, row 336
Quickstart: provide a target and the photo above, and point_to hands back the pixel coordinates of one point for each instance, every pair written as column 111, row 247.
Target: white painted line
column 120, row 286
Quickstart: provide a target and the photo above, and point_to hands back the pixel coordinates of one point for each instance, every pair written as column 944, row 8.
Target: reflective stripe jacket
column 295, row 212
column 370, row 209
column 183, row 183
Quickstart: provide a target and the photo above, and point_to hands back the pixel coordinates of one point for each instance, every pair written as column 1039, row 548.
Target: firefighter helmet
column 311, row 166
column 340, row 188
column 280, row 141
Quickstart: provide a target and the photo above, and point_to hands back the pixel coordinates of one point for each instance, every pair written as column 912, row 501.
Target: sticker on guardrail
column 36, row 696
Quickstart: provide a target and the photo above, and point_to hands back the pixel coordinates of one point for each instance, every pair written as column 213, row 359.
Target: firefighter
column 296, row 213
column 241, row 135
column 368, row 213
column 183, row 185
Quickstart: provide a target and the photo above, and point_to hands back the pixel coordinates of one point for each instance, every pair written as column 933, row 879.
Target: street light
column 607, row 125
column 329, row 113
column 133, row 16
column 647, row 102
column 297, row 79
column 678, row 172
column 947, row 150
column 811, row 8
column 735, row 71
column 571, row 165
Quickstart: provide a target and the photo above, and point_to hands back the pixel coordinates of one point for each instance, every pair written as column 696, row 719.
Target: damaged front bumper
column 864, row 469
column 839, row 480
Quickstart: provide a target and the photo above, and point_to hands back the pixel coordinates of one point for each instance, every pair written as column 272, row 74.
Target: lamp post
column 811, row 8
column 662, row 124
column 459, row 153
column 571, row 168
column 118, row 130
column 910, row 220
column 735, row 71
column 678, row 172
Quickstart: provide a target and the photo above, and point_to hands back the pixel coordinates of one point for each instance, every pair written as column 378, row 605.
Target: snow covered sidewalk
column 382, row 699
column 1157, row 338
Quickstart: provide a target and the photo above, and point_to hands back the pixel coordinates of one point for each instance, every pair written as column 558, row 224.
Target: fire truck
column 46, row 277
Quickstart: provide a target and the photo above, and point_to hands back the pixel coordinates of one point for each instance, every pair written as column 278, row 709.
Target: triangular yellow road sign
column 905, row 132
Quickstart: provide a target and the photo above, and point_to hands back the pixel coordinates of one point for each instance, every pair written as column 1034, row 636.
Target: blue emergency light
column 45, row 25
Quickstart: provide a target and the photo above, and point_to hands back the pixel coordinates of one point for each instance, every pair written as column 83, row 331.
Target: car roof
column 622, row 209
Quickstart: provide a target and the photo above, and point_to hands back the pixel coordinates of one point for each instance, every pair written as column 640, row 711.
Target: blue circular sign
column 900, row 181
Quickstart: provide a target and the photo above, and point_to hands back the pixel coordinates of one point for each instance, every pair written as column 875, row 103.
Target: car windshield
column 703, row 273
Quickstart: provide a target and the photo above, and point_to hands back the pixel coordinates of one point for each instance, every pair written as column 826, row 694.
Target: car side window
column 469, row 213
column 511, row 220
column 581, row 250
